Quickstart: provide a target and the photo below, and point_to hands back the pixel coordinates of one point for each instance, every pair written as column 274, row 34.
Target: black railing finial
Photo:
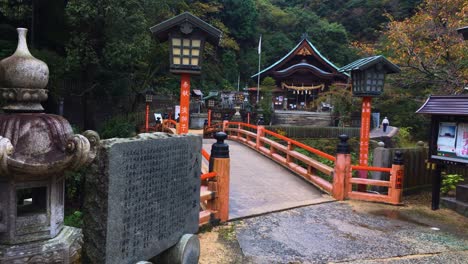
column 398, row 159
column 343, row 146
column 220, row 149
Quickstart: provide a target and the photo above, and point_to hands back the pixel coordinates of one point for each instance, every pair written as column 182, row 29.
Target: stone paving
column 259, row 185
column 337, row 233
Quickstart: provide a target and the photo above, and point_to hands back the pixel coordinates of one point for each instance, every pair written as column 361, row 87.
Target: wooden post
column 260, row 133
column 436, row 185
column 209, row 117
column 364, row 139
column 225, row 125
column 396, row 178
column 342, row 168
column 288, row 155
column 147, row 117
column 220, row 163
column 184, row 103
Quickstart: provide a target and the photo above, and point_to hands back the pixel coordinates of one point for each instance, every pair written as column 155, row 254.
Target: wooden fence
column 418, row 173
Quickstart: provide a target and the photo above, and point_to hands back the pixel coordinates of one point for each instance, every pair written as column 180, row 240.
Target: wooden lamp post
column 187, row 35
column 148, row 99
column 368, row 76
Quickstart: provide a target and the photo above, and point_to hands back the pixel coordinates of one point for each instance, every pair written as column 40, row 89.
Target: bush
column 75, row 219
column 449, row 182
column 117, row 127
column 404, row 139
column 74, row 181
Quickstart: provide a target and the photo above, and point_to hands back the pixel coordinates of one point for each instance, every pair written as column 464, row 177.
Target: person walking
column 385, row 124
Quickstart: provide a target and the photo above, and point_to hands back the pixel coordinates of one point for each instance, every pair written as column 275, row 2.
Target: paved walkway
column 259, row 185
column 378, row 132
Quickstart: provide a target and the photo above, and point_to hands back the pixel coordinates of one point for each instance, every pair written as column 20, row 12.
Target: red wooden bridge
column 268, row 172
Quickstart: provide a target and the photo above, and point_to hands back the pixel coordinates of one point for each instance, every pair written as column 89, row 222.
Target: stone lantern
column 35, row 150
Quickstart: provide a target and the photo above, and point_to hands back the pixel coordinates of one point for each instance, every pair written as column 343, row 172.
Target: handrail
column 301, row 145
column 208, row 175
column 292, row 141
column 170, row 121
column 243, row 124
column 369, row 168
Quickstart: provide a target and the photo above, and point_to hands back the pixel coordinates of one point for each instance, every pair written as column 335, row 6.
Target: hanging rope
column 303, row 88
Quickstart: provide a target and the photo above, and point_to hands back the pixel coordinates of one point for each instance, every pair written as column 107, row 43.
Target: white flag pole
column 259, row 61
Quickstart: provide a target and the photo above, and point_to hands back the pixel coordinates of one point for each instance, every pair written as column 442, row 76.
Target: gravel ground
column 343, row 232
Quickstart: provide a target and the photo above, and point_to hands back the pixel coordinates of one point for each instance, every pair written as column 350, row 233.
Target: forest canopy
column 106, row 50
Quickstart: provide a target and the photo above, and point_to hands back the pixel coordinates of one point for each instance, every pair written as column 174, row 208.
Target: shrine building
column 300, row 77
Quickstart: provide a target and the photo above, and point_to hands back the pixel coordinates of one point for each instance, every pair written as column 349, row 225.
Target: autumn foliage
column 427, row 47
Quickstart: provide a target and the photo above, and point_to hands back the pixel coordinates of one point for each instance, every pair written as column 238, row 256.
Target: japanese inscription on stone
column 153, row 196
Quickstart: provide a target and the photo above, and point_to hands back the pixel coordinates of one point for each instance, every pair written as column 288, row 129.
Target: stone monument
column 35, row 150
column 142, row 198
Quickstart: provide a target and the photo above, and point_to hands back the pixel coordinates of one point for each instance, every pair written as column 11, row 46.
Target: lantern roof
column 365, row 63
column 162, row 30
column 464, row 32
column 445, row 105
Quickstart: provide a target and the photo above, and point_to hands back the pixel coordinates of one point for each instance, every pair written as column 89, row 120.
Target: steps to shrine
column 302, row 118
column 459, row 203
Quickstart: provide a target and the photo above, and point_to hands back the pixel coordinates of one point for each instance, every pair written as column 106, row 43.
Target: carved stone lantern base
column 64, row 248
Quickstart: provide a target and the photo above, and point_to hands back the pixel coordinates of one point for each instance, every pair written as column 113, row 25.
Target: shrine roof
column 302, row 65
column 445, row 105
column 304, row 39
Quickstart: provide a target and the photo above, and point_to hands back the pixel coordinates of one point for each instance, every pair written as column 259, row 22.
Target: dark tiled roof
column 464, row 32
column 161, row 30
column 365, row 63
column 445, row 105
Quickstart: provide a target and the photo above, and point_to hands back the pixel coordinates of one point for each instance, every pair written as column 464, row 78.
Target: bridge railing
column 284, row 151
column 337, row 180
column 214, row 193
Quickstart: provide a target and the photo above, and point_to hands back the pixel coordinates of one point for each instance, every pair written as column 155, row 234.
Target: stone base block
column 458, row 206
column 64, row 248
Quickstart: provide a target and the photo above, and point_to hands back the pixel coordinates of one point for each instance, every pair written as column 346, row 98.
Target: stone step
column 301, row 118
column 462, row 193
column 457, row 206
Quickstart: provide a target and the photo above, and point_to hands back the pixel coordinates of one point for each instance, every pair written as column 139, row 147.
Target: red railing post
column 220, row 163
column 209, row 117
column 260, row 134
column 288, row 156
column 396, row 178
column 342, row 168
column 225, row 125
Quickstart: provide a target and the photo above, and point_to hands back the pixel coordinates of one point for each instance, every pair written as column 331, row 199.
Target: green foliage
column 343, row 104
column 266, row 101
column 75, row 219
column 449, row 182
column 117, row 127
column 400, row 106
column 403, row 138
column 73, row 188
